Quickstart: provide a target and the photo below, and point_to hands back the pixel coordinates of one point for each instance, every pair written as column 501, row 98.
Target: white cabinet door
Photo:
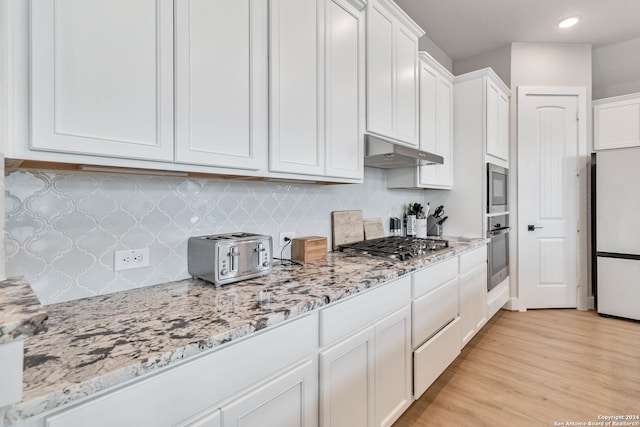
column 497, row 122
column 616, row 122
column 436, row 123
column 346, row 382
column 440, row 176
column 503, row 126
column 221, row 83
column 428, row 120
column 287, row 401
column 392, row 72
column 344, row 89
column 102, row 79
column 393, row 366
column 296, row 134
column 492, row 95
column 473, row 302
column 380, row 71
column 407, row 86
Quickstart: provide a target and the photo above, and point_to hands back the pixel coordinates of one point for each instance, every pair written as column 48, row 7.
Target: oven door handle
column 499, row 231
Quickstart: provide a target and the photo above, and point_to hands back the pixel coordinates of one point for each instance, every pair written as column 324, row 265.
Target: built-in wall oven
column 498, row 232
column 497, row 189
column 497, row 224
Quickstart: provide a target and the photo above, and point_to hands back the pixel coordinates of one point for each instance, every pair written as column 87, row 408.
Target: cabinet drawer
column 429, row 278
column 470, row 260
column 432, row 311
column 178, row 393
column 430, row 360
column 345, row 318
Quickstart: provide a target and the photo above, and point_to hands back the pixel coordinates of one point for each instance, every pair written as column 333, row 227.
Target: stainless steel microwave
column 497, row 189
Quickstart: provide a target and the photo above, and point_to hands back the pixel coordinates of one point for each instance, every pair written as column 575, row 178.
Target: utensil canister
column 421, row 228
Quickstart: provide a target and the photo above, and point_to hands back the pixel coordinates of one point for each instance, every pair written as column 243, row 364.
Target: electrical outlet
column 289, row 234
column 129, row 259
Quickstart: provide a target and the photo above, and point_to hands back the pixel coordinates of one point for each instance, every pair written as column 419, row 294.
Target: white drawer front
column 470, row 260
column 345, row 318
column 429, row 278
column 430, row 360
column 176, row 394
column 432, row 311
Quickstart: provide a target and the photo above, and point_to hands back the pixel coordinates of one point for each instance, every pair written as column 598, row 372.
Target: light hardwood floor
column 537, row 368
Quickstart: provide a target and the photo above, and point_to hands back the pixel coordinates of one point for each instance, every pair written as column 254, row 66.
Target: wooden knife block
column 305, row 249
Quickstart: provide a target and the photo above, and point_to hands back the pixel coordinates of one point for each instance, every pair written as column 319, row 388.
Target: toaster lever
column 233, row 255
column 259, row 250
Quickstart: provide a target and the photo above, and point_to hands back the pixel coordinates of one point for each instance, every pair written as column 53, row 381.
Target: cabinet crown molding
column 485, row 72
column 358, row 4
column 424, row 56
column 400, row 15
column 627, row 97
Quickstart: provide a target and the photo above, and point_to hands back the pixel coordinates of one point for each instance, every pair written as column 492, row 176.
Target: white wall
column 616, row 69
column 499, row 60
column 535, row 64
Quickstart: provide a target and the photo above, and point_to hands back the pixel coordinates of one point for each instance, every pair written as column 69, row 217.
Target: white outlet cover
column 129, row 259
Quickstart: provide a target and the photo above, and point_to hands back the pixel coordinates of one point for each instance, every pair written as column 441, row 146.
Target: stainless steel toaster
column 228, row 258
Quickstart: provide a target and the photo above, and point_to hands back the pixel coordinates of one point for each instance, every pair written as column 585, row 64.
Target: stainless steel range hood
column 385, row 154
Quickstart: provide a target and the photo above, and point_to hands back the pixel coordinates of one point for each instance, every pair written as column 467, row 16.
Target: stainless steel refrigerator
column 615, row 203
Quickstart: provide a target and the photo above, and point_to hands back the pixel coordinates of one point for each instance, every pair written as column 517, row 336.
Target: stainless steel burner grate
column 396, row 247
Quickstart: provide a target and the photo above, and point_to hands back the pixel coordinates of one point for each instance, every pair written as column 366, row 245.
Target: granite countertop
column 21, row 314
column 99, row 342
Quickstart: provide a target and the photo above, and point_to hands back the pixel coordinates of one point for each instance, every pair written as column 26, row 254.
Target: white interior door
column 547, row 199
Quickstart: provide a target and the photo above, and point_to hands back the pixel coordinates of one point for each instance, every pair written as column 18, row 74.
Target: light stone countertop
column 21, row 314
column 99, row 342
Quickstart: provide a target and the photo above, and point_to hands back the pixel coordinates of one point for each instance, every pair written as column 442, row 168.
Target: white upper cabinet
column 392, row 72
column 240, row 87
column 436, row 97
column 295, row 77
column 497, row 125
column 436, row 103
column 344, row 88
column 101, row 79
column 221, row 83
column 616, row 122
column 316, row 87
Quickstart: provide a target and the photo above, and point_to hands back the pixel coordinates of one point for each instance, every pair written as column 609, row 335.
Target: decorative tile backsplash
column 62, row 228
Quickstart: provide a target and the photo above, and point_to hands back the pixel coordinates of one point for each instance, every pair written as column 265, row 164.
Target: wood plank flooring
column 537, row 368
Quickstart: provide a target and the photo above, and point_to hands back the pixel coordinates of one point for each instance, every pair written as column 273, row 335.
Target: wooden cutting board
column 346, row 227
column 373, row 228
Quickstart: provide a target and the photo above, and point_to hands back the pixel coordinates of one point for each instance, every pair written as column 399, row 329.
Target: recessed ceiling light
column 569, row 22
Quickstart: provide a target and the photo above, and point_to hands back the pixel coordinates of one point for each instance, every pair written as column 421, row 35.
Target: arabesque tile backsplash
column 62, row 228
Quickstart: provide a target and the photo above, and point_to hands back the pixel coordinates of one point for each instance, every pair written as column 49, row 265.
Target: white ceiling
column 465, row 28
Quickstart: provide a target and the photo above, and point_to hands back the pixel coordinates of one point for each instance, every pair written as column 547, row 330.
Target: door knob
column 532, row 227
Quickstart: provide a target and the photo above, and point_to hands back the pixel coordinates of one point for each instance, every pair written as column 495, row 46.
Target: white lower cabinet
column 248, row 381
column 346, row 388
column 433, row 357
column 393, row 366
column 287, row 401
column 365, row 378
column 435, row 322
column 473, row 293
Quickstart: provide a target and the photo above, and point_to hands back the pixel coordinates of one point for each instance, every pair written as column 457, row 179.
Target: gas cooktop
column 396, row 247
